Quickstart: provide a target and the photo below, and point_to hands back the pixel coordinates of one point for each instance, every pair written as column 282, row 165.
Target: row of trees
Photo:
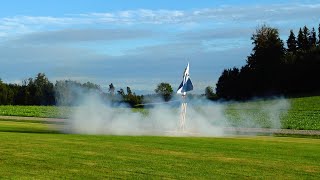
column 40, row 91
column 273, row 69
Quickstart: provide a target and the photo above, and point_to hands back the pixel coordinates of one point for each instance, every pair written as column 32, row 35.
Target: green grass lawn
column 75, row 156
column 35, row 153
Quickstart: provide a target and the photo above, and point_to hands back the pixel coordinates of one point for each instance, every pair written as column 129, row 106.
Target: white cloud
column 220, row 15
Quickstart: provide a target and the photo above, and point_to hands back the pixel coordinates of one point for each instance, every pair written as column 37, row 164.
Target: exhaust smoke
column 92, row 115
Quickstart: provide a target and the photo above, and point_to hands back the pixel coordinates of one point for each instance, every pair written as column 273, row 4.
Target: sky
column 138, row 43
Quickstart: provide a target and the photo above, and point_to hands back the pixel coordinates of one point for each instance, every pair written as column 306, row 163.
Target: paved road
column 232, row 130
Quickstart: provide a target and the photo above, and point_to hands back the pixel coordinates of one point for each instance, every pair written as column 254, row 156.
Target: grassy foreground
column 29, row 151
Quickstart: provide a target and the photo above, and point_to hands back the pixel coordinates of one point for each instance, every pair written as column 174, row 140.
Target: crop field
column 36, row 111
column 302, row 113
column 33, row 150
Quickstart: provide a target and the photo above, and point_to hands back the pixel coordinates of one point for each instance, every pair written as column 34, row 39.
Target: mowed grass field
column 39, row 154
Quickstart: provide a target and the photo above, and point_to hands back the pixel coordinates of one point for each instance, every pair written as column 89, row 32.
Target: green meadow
column 37, row 154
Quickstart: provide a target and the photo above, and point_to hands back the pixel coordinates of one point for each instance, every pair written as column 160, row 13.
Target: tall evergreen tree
column 306, row 35
column 319, row 35
column 300, row 40
column 222, row 85
column 292, row 42
column 312, row 38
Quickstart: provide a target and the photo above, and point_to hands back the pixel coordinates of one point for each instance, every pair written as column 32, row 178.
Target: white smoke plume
column 204, row 118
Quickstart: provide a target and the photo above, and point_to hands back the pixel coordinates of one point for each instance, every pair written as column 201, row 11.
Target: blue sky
column 138, row 43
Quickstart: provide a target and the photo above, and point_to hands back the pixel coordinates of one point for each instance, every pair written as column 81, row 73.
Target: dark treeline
column 273, row 69
column 40, row 91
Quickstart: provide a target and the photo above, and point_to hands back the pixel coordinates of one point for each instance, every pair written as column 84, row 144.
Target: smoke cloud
column 93, row 115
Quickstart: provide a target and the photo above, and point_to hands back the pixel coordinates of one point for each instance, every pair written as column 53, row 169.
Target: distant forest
column 40, row 91
column 273, row 69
